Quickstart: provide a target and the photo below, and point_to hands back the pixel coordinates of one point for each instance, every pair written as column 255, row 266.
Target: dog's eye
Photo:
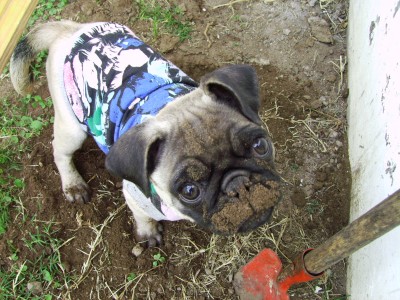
column 189, row 193
column 262, row 148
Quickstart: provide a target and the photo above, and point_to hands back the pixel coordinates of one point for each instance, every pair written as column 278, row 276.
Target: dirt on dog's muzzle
column 245, row 206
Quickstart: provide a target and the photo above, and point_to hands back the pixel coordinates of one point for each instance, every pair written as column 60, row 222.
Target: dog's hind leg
column 68, row 139
column 69, row 134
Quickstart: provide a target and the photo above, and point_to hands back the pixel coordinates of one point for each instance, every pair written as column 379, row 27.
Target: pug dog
column 185, row 151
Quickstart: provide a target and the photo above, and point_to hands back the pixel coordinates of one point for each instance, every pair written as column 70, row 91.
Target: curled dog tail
column 41, row 37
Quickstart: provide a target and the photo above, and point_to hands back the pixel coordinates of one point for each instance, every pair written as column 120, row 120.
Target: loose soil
column 298, row 50
column 253, row 202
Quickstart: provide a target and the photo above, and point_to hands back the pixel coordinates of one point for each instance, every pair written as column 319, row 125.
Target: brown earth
column 297, row 49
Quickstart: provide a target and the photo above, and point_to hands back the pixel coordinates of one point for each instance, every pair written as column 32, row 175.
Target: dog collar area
column 153, row 206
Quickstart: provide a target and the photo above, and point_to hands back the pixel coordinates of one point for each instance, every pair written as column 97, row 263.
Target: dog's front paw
column 149, row 232
column 78, row 193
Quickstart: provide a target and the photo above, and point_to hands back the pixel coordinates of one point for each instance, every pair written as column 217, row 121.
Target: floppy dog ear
column 236, row 86
column 134, row 156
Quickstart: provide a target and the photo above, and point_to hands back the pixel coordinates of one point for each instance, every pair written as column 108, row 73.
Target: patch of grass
column 5, row 202
column 165, row 17
column 5, row 72
column 21, row 121
column 131, row 276
column 18, row 127
column 47, row 9
column 243, row 24
column 36, row 101
column 44, row 276
column 38, row 64
column 314, row 207
column 294, row 167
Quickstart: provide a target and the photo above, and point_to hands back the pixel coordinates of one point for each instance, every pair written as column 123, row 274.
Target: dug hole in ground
column 374, row 139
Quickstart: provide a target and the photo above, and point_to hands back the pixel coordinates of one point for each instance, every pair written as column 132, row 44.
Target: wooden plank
column 14, row 15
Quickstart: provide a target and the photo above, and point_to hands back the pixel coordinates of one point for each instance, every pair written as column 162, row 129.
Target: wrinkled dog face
column 207, row 154
column 223, row 175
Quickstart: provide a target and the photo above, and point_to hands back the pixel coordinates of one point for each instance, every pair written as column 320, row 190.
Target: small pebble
column 286, row 31
column 320, row 30
column 35, row 287
column 324, row 100
column 137, row 250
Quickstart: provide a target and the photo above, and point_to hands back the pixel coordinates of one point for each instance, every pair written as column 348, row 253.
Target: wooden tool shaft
column 376, row 222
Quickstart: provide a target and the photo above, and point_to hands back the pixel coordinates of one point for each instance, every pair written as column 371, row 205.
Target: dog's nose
column 235, row 180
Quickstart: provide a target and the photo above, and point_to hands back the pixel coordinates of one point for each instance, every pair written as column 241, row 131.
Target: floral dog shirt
column 114, row 81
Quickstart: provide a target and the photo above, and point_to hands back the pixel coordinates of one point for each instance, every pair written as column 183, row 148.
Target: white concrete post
column 374, row 139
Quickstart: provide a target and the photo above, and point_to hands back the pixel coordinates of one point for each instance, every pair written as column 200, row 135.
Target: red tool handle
column 298, row 274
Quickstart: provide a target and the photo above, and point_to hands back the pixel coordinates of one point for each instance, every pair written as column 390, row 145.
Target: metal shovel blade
column 258, row 280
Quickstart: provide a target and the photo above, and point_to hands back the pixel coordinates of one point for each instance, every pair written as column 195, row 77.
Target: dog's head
column 206, row 154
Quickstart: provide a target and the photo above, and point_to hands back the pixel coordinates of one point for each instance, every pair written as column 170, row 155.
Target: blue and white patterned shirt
column 114, row 81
